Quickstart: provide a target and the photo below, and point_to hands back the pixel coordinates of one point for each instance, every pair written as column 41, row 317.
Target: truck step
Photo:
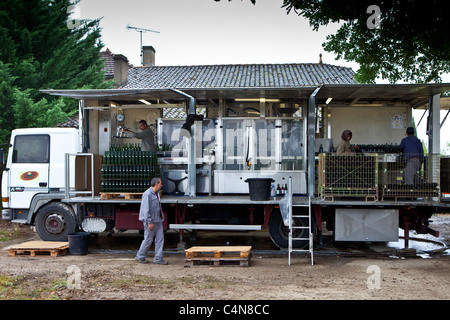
column 232, row 227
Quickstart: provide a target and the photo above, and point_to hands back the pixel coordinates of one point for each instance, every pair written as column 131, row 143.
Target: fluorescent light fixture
column 328, row 100
column 145, row 101
column 256, row 100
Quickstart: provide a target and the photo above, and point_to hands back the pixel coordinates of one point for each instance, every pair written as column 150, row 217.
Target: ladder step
column 300, row 238
column 300, row 205
column 300, row 250
column 298, row 227
column 299, row 216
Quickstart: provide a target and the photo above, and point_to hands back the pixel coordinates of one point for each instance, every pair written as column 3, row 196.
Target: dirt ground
column 107, row 274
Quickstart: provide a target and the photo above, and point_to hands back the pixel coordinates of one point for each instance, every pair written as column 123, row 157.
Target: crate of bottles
column 353, row 175
column 423, row 183
column 379, row 148
column 128, row 169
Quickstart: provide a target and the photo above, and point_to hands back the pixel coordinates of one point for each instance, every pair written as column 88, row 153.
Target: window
column 31, row 149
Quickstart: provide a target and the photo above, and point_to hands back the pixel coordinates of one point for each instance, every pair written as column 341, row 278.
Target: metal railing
column 69, row 191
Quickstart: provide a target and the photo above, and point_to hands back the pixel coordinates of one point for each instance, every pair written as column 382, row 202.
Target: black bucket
column 78, row 243
column 259, row 188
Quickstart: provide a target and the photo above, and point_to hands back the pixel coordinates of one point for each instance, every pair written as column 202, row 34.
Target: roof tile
column 238, row 76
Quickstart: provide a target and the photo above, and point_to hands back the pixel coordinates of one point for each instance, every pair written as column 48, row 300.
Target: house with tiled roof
column 108, row 60
column 116, row 67
column 243, row 76
column 226, row 76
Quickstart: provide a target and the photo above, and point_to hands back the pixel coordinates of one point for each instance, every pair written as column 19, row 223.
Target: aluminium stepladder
column 293, row 227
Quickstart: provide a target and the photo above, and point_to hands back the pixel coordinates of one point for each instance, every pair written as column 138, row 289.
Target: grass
column 10, row 231
column 47, row 287
column 23, row 288
column 5, row 236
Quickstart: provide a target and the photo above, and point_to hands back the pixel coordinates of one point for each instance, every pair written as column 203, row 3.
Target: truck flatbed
column 245, row 199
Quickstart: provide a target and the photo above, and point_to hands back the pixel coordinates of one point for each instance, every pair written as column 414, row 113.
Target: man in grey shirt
column 152, row 216
column 146, row 135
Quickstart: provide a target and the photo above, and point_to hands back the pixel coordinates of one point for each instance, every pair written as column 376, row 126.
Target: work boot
column 142, row 260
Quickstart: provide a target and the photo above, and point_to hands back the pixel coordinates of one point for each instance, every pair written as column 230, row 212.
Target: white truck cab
column 34, row 177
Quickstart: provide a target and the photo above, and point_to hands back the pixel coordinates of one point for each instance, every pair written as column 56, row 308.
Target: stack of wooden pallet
column 32, row 248
column 218, row 256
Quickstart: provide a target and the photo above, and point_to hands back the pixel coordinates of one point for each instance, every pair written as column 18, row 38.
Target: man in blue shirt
column 413, row 155
column 152, row 216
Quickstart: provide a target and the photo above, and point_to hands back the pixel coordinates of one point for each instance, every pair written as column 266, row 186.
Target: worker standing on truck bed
column 146, row 135
column 344, row 145
column 152, row 216
column 413, row 154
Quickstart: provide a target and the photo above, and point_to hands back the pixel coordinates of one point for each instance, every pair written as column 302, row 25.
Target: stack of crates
column 348, row 175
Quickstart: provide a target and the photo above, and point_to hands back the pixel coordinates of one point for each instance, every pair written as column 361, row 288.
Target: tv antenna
column 141, row 30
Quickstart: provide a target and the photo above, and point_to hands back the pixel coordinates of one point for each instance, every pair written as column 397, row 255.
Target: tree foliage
column 410, row 44
column 40, row 50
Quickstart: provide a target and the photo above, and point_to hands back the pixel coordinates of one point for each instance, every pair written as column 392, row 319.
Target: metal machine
column 230, row 150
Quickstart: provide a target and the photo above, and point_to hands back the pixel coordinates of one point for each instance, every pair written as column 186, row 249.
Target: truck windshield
column 31, row 149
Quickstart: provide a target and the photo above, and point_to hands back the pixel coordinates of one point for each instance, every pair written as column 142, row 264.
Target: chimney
column 148, row 56
column 121, row 67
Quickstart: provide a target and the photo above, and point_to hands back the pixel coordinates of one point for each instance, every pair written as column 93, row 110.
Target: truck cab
column 34, row 177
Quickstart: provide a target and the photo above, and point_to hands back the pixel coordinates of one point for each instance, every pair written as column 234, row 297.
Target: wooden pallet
column 33, row 248
column 218, row 256
column 115, row 195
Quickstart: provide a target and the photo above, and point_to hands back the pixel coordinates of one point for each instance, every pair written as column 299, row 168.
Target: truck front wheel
column 55, row 221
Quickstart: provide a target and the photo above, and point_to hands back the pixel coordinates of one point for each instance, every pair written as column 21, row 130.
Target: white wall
column 370, row 125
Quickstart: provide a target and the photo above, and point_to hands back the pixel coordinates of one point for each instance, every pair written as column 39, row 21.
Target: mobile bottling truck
column 213, row 143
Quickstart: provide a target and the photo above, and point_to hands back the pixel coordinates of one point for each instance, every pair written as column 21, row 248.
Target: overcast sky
column 197, row 32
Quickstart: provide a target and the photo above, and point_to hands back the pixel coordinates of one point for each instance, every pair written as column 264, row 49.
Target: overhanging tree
column 410, row 43
column 40, row 50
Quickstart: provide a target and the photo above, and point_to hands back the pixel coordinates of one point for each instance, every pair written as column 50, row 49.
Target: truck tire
column 55, row 221
column 279, row 233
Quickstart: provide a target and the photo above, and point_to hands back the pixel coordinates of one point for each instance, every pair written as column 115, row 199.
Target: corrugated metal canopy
column 415, row 94
column 199, row 94
column 113, row 94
